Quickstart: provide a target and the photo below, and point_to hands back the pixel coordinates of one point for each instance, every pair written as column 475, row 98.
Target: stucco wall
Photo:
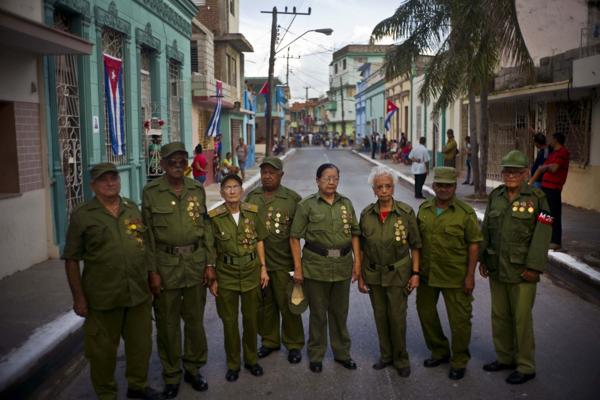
column 18, row 71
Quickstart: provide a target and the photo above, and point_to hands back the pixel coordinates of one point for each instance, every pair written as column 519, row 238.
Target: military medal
column 173, row 203
column 521, row 209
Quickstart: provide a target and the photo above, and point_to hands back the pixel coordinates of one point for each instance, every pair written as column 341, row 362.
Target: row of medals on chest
column 400, row 231
column 275, row 219
column 523, row 206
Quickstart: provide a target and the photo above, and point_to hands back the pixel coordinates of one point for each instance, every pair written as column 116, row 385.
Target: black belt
column 389, row 267
column 177, row 250
column 238, row 260
column 322, row 251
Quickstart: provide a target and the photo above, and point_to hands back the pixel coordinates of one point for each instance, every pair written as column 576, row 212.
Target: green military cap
column 172, row 148
column 273, row 162
column 297, row 302
column 100, row 169
column 514, row 159
column 231, row 176
column 444, row 175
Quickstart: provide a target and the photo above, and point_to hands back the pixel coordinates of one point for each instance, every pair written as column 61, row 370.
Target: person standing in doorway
column 241, row 151
column 419, row 156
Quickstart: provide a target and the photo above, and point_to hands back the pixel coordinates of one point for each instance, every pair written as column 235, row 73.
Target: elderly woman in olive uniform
column 113, row 296
column 241, row 273
column 390, row 244
column 516, row 235
column 328, row 224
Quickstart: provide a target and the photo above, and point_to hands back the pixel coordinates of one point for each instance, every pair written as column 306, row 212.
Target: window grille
column 174, row 101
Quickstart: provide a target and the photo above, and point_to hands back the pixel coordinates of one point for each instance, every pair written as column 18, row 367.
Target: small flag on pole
column 391, row 109
column 214, row 125
column 264, row 89
column 113, row 90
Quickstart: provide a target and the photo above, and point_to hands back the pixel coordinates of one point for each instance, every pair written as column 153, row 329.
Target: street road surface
column 567, row 332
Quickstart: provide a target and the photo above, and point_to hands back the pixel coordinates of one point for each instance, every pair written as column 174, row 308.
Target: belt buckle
column 181, row 250
column 334, row 253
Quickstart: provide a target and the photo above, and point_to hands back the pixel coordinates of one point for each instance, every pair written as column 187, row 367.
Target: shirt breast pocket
column 522, row 226
column 96, row 236
column 316, row 223
column 455, row 235
column 161, row 216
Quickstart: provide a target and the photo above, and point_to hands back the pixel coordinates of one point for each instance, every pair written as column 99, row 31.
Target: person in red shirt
column 554, row 170
column 199, row 165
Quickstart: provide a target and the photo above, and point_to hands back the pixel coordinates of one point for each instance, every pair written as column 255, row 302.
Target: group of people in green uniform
column 168, row 255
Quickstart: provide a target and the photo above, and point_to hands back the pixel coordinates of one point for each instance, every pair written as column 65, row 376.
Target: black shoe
column 456, row 373
column 348, row 364
column 517, row 378
column 265, row 351
column 170, row 391
column 294, row 356
column 147, row 393
column 434, row 362
column 381, row 365
column 232, row 375
column 255, row 369
column 465, row 183
column 404, row 372
column 197, row 381
column 496, row 366
column 316, row 367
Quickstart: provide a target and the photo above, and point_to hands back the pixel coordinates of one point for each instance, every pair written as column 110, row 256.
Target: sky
column 351, row 20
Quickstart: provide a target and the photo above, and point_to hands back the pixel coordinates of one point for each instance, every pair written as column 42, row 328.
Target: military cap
column 297, row 302
column 231, row 176
column 444, row 175
column 514, row 159
column 172, row 148
column 273, row 162
column 100, row 169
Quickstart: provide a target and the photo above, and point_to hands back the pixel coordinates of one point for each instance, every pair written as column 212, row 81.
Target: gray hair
column 379, row 171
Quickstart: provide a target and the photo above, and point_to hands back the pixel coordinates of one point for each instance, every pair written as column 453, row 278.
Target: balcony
column 204, row 88
column 331, row 106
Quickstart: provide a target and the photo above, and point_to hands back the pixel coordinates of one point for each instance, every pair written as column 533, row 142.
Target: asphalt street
column 567, row 332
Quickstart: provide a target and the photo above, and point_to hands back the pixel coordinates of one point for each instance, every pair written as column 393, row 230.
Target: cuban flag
column 113, row 87
column 214, row 125
column 391, row 109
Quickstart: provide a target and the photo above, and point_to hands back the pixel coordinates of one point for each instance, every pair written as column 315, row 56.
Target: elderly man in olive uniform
column 450, row 234
column 113, row 295
column 241, row 273
column 277, row 206
column 516, row 229
column 180, row 263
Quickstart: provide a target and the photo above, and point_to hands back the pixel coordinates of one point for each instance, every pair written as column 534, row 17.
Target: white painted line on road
column 40, row 343
column 567, row 260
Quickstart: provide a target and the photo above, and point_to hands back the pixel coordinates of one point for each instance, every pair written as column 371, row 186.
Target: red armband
column 545, row 219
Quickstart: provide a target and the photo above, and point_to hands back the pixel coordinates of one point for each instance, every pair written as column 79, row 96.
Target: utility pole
column 269, row 106
column 287, row 66
column 342, row 94
column 306, row 114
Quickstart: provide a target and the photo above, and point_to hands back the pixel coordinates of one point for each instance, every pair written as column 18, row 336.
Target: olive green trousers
column 103, row 330
column 389, row 309
column 228, row 305
column 459, row 308
column 170, row 308
column 277, row 324
column 328, row 302
column 512, row 323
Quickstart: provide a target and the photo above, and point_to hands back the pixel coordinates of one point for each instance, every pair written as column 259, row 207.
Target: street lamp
column 269, row 99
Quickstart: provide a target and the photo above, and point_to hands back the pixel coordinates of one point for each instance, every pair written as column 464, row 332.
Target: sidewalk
column 580, row 227
column 35, row 308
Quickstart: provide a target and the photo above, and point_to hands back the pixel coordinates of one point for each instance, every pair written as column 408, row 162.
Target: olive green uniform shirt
column 386, row 245
column 450, row 149
column 446, row 239
column 278, row 213
column 515, row 236
column 330, row 226
column 238, row 266
column 112, row 250
column 177, row 221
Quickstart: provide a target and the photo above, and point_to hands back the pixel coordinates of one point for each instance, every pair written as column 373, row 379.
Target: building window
column 335, row 68
column 232, row 7
column 344, row 64
column 573, row 118
column 194, row 56
column 231, row 70
column 174, row 101
column 9, row 161
column 112, row 44
column 419, row 120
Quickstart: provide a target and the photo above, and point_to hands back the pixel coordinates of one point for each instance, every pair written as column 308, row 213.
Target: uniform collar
column 430, row 203
column 336, row 197
column 95, row 204
column 279, row 192
column 525, row 189
column 395, row 208
column 164, row 184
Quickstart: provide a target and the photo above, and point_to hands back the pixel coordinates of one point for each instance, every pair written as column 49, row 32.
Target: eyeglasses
column 384, row 187
column 511, row 172
column 330, row 179
column 231, row 188
column 177, row 162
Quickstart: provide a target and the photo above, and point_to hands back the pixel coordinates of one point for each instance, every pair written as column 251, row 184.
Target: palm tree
column 468, row 38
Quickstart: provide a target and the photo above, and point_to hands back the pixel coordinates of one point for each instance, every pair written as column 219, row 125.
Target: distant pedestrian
column 468, row 160
column 199, row 165
column 390, row 245
column 419, row 156
column 374, row 144
column 539, row 140
column 450, row 235
column 384, row 147
column 241, row 151
column 450, row 150
column 516, row 233
column 113, row 296
column 555, row 170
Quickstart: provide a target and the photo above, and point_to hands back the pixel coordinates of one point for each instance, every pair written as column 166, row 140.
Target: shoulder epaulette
column 464, row 206
column 250, row 207
column 252, row 192
column 539, row 193
column 129, row 202
column 152, row 184
column 404, row 207
column 292, row 193
column 217, row 211
column 496, row 190
column 367, row 209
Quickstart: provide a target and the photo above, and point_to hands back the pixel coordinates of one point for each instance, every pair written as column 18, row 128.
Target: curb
column 562, row 260
column 22, row 361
